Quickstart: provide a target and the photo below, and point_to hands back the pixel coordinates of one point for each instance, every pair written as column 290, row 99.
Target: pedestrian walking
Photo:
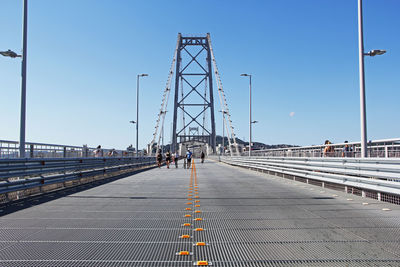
column 98, row 152
column 189, row 158
column 329, row 150
column 347, row 151
column 112, row 153
column 202, row 157
column 168, row 158
column 159, row 158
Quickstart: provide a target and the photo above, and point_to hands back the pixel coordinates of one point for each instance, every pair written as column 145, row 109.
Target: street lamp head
column 254, row 122
column 245, row 74
column 132, row 122
column 9, row 53
column 143, row 75
column 375, row 52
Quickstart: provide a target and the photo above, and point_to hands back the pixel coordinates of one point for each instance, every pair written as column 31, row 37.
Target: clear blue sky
column 84, row 55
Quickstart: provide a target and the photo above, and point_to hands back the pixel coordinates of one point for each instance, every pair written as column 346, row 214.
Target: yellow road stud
column 199, row 229
column 198, row 219
column 196, row 197
column 188, row 209
column 202, row 263
column 182, row 253
column 190, row 195
column 186, row 224
column 188, row 215
column 189, row 203
column 197, row 206
column 200, row 243
column 197, row 211
column 196, row 201
column 185, row 236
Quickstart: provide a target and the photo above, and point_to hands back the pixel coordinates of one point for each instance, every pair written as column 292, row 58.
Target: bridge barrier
column 24, row 177
column 377, row 178
column 10, row 149
column 386, row 148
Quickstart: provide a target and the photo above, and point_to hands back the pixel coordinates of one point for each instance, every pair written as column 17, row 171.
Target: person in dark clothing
column 347, row 150
column 202, row 156
column 159, row 159
column 168, row 158
column 176, row 159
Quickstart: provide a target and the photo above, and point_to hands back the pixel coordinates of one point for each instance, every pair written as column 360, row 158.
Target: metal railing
column 368, row 177
column 21, row 174
column 387, row 148
column 10, row 149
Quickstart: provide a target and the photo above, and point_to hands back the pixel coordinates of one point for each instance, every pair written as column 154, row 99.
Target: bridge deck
column 250, row 219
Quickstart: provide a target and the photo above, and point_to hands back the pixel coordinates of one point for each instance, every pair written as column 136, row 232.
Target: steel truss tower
column 194, row 72
column 191, row 77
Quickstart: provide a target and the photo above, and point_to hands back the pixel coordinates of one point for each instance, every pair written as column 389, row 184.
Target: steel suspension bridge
column 300, row 206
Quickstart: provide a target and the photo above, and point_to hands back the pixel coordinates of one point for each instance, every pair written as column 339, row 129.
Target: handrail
column 10, row 149
column 384, row 148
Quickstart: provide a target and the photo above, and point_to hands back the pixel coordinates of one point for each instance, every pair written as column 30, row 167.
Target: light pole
column 250, row 121
column 137, row 112
column 133, row 122
column 363, row 116
column 12, row 54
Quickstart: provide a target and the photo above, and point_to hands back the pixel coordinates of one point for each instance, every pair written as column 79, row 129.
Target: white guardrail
column 385, row 148
column 10, row 149
column 377, row 178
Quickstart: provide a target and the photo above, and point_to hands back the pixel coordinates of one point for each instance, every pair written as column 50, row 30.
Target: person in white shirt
column 98, row 152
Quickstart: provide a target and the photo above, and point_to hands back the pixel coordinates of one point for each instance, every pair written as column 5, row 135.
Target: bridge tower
column 193, row 116
column 193, row 98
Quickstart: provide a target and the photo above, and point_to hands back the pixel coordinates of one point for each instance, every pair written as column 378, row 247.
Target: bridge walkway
column 248, row 219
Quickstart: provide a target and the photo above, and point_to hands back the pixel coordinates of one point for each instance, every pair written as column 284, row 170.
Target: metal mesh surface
column 249, row 219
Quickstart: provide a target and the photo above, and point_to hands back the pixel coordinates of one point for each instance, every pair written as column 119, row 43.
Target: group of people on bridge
column 174, row 158
column 329, row 150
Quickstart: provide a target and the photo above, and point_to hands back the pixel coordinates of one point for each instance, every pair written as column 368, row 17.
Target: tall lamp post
column 137, row 112
column 133, row 122
column 362, row 54
column 250, row 121
column 12, row 54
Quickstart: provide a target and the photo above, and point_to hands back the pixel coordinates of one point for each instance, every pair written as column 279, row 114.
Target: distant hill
column 256, row 145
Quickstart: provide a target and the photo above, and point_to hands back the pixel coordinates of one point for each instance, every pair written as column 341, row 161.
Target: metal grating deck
column 249, row 219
